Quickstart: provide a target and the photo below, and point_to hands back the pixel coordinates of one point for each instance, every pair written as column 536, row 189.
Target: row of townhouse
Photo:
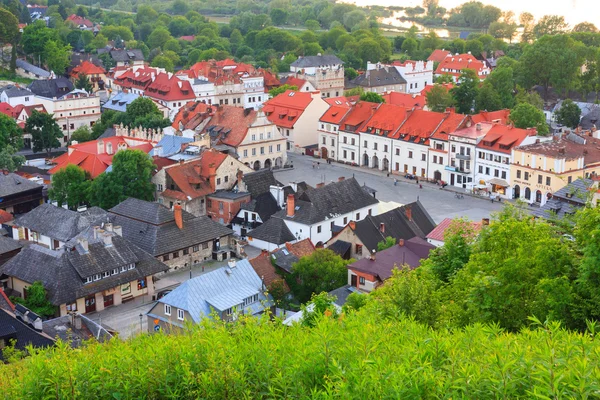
column 469, row 152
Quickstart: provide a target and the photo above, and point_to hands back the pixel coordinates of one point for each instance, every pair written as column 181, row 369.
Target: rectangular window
column 209, row 203
column 526, row 175
column 358, row 249
column 353, row 142
column 410, row 154
column 246, row 153
column 253, row 152
column 204, row 246
column 167, row 309
column 195, row 248
column 186, row 252
column 106, row 274
column 141, row 284
column 397, row 152
column 333, row 142
column 503, row 174
column 361, row 280
column 496, row 173
column 180, row 314
column 548, row 181
column 357, row 217
column 124, row 268
column 220, row 206
column 324, row 140
column 226, row 179
column 345, row 154
column 569, row 179
column 278, row 147
column 175, row 254
column 115, row 271
column 271, row 149
column 366, row 147
column 345, row 220
column 423, row 157
column 262, row 150
column 480, row 169
column 374, row 146
column 319, row 229
column 518, row 174
column 540, row 179
column 385, row 148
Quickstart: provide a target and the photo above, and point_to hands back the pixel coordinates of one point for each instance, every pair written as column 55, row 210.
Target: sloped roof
column 12, row 91
column 502, row 135
column 460, row 62
column 411, row 253
column 286, row 108
column 221, row 289
column 191, row 115
column 388, row 118
column 407, row 100
column 438, row 55
column 127, row 55
column 264, row 205
column 193, row 178
column 32, row 68
column 169, row 88
column 24, row 335
column 359, row 114
column 7, row 245
column 335, row 114
column 439, row 231
column 171, row 145
column 260, row 182
column 500, row 116
column 50, row 88
column 384, row 76
column 120, row 101
column 87, row 68
column 316, row 61
column 11, row 184
column 5, row 217
column 265, row 270
column 273, row 231
column 232, row 124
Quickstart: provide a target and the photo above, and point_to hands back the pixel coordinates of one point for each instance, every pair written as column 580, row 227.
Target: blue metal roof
column 120, row 101
column 171, row 145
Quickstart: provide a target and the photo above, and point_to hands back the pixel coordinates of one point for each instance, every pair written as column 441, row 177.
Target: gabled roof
column 265, row 270
column 170, row 88
column 286, row 108
column 566, row 201
column 5, row 217
column 316, row 61
column 264, row 205
column 451, row 123
column 120, row 101
column 219, row 290
column 12, row 184
column 193, row 178
column 127, row 55
column 51, row 88
column 231, row 124
column 502, row 138
column 260, row 182
column 63, row 272
column 293, row 81
column 320, row 204
column 500, row 116
column 335, row 114
column 438, row 55
column 152, row 227
column 80, row 21
column 59, row 223
column 32, row 69
column 171, row 145
column 440, row 231
column 12, row 328
column 428, row 88
column 397, row 225
column 191, row 115
column 384, row 76
column 88, row 68
column 13, row 91
column 273, row 231
column 406, row 100
column 7, row 245
column 359, row 114
column 270, row 79
column 387, row 119
column 460, row 62
column 7, row 110
column 411, row 253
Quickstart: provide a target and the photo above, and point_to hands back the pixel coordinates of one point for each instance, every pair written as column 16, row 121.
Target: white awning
column 498, row 182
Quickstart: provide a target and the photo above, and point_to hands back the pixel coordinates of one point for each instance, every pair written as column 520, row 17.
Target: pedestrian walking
column 388, row 174
column 395, row 182
column 318, row 165
column 417, row 180
column 313, row 165
column 420, row 186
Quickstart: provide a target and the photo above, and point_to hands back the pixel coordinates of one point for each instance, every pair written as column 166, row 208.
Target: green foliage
column 372, row 97
column 487, row 99
column 9, row 27
column 550, row 25
column 355, row 301
column 70, row 186
column 10, row 133
column 45, row 132
column 503, row 83
column 83, row 82
column 465, row 93
column 439, row 98
column 474, row 14
column 350, row 73
column 386, row 244
column 526, row 115
column 8, row 159
column 322, row 271
column 81, row 134
column 130, row 177
column 37, row 300
column 569, row 114
column 281, row 89
column 57, row 56
column 320, row 305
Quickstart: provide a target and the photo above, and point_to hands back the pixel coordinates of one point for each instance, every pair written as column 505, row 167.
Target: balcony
column 463, row 156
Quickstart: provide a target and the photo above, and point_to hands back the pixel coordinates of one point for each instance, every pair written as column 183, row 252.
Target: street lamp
column 141, row 317
column 190, row 270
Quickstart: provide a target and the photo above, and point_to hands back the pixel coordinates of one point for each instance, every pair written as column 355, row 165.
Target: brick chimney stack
column 382, row 227
column 401, row 242
column 178, row 215
column 352, row 225
column 408, row 212
column 341, row 178
column 291, row 205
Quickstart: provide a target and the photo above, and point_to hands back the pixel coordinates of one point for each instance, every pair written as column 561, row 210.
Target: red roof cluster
column 79, row 21
column 139, row 79
column 427, row 88
column 439, row 231
column 8, row 110
column 88, row 68
column 191, row 115
column 454, row 64
column 405, row 99
column 195, row 178
column 96, row 156
column 286, row 108
column 232, row 124
column 503, row 138
column 168, row 87
column 438, row 55
column 220, row 72
column 360, row 113
column 271, row 79
column 500, row 116
column 188, row 38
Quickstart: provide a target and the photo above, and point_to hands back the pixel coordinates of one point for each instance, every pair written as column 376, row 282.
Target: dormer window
column 88, row 279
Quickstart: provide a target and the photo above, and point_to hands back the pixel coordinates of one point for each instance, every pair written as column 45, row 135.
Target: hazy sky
column 574, row 11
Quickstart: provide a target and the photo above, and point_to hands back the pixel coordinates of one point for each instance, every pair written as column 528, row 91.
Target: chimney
column 158, row 151
column 107, row 238
column 77, row 321
column 382, row 227
column 485, row 222
column 408, row 212
column 181, row 162
column 108, row 227
column 352, row 225
column 478, row 127
column 84, row 244
column 320, row 185
column 178, row 216
column 341, row 178
column 117, row 229
column 372, row 256
column 231, row 263
column 100, row 146
column 401, row 242
column 291, row 205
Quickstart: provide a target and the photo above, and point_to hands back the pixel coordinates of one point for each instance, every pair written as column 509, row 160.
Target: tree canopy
column 526, row 115
column 569, row 114
column 70, row 186
column 45, row 132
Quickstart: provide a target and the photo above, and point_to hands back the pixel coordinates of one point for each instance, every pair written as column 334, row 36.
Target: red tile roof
column 302, row 248
column 341, row 101
column 235, row 119
column 334, row 114
column 388, row 118
column 438, row 55
column 285, row 109
column 419, row 126
column 162, row 162
column 170, row 88
column 429, row 87
column 293, row 81
column 453, row 65
column 29, row 109
column 7, row 110
column 359, row 114
column 188, row 38
column 500, row 116
column 87, row 68
column 265, row 270
column 77, row 20
column 405, row 99
column 190, row 115
column 439, row 231
column 86, row 156
column 195, row 178
column 5, row 217
column 270, row 79
column 503, row 138
column 140, row 79
column 451, row 123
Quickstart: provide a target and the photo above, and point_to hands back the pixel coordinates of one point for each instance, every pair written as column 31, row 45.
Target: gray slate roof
column 11, row 184
column 566, row 201
column 397, row 225
column 59, row 223
column 320, row 204
column 342, row 294
column 63, row 271
column 260, row 182
column 379, row 77
column 219, row 290
column 316, row 61
column 12, row 328
column 16, row 91
column 7, row 245
column 273, row 231
column 151, row 226
column 51, row 88
column 284, row 259
column 127, row 55
column 264, row 205
column 33, row 69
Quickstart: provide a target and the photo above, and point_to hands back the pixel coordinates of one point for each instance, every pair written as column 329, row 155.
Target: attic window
column 292, row 94
column 284, row 251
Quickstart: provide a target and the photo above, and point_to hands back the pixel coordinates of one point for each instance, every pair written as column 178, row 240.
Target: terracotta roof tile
column 5, row 217
column 439, row 231
column 195, row 178
column 360, row 113
column 438, row 55
column 500, row 116
column 405, row 99
column 334, row 114
column 387, row 119
column 503, row 135
column 236, row 120
column 169, row 88
column 302, row 248
column 460, row 62
column 87, row 68
column 285, row 109
column 265, row 270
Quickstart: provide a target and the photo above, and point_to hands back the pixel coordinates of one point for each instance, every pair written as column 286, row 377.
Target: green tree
column 322, row 271
column 466, row 92
column 526, row 115
column 10, row 133
column 386, row 244
column 350, row 73
column 320, row 305
column 355, row 301
column 107, row 61
column 569, row 114
column 81, row 134
column 585, row 27
column 281, row 89
column 130, row 177
column 35, row 37
column 533, row 98
column 439, row 98
column 57, row 56
column 9, row 31
column 312, row 25
column 8, row 160
column 158, row 37
column 45, row 132
column 410, row 46
column 83, row 82
column 503, row 83
column 278, row 16
column 487, row 99
column 71, row 186
column 140, row 112
column 99, row 42
column 550, row 25
column 162, row 61
column 587, row 235
column 372, row 97
column 475, row 47
column 37, row 300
